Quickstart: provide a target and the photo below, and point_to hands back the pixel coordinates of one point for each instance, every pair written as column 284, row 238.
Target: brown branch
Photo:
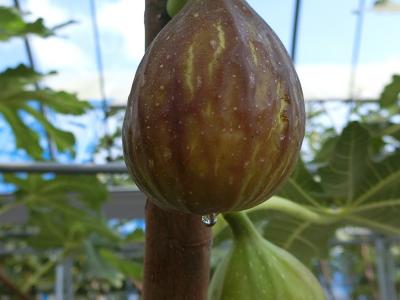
column 177, row 256
column 177, row 248
column 10, row 286
column 155, row 18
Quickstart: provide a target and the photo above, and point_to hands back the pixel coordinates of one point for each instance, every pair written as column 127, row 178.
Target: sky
column 325, row 45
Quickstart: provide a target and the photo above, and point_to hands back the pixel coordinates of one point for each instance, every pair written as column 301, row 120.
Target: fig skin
column 215, row 117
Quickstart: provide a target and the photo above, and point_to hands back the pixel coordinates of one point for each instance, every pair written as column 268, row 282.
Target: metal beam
column 57, row 168
column 369, row 238
column 122, row 204
column 356, row 48
column 295, row 31
column 381, row 268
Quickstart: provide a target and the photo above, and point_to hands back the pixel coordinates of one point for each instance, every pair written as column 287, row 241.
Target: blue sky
column 324, row 50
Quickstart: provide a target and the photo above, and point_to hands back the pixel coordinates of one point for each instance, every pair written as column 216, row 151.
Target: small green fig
column 257, row 269
column 174, row 6
column 215, row 118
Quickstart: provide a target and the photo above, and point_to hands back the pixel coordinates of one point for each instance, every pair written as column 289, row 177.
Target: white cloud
column 124, row 18
column 63, row 53
column 119, row 85
column 86, row 84
column 332, row 81
column 55, row 52
column 59, row 54
column 121, row 20
column 52, row 13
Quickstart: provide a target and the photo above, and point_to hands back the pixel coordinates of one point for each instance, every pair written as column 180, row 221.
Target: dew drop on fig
column 209, row 220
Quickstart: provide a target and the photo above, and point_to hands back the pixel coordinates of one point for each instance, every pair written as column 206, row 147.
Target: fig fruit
column 257, row 269
column 215, row 117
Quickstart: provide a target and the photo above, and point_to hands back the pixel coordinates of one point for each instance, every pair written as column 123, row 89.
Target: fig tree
column 215, row 117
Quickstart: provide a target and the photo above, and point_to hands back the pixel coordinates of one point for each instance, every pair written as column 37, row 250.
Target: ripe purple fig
column 215, row 117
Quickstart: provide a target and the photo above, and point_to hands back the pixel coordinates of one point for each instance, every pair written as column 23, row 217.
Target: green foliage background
column 65, row 217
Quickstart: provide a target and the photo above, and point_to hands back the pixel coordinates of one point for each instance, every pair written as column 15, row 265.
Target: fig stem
column 323, row 217
column 241, row 225
column 176, row 243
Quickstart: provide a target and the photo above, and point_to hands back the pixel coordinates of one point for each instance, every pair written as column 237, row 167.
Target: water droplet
column 209, row 220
